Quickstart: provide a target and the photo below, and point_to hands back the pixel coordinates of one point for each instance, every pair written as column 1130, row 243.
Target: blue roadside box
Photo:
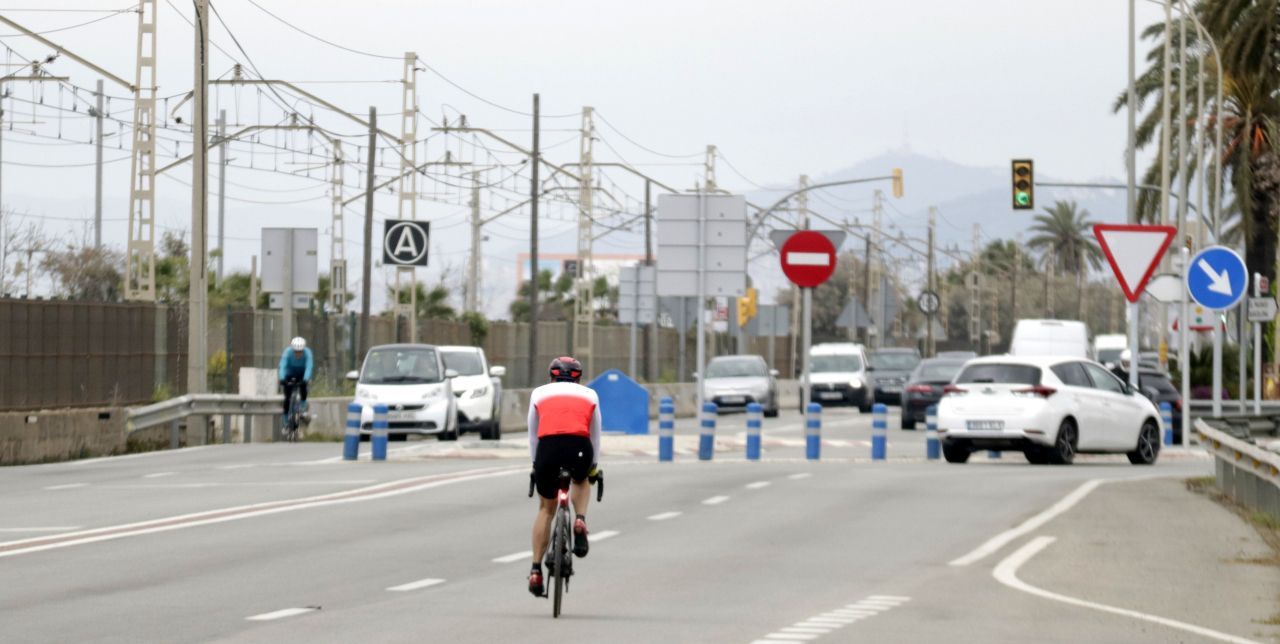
column 624, row 403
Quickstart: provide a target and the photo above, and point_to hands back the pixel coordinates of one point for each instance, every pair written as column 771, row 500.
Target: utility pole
column 709, row 186
column 337, row 235
column 366, row 277
column 534, row 163
column 802, row 207
column 197, row 299
column 584, row 312
column 97, row 168
column 975, row 292
column 473, row 260
column 651, row 347
column 930, row 346
column 876, row 270
column 140, row 269
column 222, row 193
column 1013, row 291
column 408, row 202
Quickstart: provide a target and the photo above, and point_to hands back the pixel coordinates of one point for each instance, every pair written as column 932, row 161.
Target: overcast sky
column 782, row 88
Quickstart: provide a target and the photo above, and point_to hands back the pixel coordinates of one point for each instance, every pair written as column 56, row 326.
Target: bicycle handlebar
column 598, row 480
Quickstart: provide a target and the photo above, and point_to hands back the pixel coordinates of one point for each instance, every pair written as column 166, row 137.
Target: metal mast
column 409, row 184
column 140, row 271
column 472, row 303
column 583, row 322
column 337, row 236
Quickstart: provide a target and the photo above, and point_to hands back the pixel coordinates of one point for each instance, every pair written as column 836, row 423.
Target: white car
column 412, row 381
column 1049, row 408
column 477, row 389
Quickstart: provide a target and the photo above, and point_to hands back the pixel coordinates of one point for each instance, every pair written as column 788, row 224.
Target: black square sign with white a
column 405, row 242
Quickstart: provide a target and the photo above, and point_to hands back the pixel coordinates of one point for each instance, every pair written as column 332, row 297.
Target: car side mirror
column 498, row 371
column 450, row 374
column 774, row 373
column 353, row 375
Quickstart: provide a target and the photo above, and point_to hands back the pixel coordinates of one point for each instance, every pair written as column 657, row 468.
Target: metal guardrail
column 175, row 410
column 1232, row 407
column 1246, row 472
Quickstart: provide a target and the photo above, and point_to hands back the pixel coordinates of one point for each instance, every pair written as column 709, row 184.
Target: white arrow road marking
column 1221, row 281
column 808, row 259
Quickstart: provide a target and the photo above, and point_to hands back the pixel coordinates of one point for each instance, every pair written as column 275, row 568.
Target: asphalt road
column 285, row 543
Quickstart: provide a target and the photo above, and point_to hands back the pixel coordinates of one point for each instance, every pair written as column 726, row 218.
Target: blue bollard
column 379, row 439
column 931, row 446
column 1166, row 417
column 813, row 432
column 666, row 428
column 351, row 438
column 707, row 441
column 991, row 453
column 879, row 425
column 755, row 414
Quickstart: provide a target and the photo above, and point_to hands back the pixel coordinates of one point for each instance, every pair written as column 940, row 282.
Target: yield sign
column 1133, row 252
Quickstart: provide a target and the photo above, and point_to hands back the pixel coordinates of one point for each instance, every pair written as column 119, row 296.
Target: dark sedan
column 924, row 388
column 893, row 366
column 1156, row 386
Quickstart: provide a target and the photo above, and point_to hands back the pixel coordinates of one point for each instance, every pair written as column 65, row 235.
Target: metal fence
column 57, row 353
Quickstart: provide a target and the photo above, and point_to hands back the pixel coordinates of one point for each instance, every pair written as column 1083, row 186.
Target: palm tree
column 1063, row 235
column 1248, row 36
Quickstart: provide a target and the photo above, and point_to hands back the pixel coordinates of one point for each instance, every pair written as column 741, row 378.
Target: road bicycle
column 559, row 559
column 294, row 417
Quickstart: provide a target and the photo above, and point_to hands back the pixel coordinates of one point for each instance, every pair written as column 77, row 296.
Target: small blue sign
column 1217, row 278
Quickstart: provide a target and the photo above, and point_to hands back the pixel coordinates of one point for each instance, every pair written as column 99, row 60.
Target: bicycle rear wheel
column 558, row 549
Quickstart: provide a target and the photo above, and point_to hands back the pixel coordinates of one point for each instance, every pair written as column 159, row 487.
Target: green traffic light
column 1023, row 198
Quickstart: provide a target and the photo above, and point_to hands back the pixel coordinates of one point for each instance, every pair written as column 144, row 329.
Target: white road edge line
column 237, row 513
column 280, row 614
column 63, row 528
column 1000, row 540
column 663, row 516
column 156, row 475
column 66, row 486
column 515, row 556
column 1006, row 572
column 715, row 500
column 415, row 585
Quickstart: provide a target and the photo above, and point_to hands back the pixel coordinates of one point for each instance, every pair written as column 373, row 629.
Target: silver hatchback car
column 735, row 381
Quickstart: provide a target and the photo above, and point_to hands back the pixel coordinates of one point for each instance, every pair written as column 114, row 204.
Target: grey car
column 893, row 367
column 734, row 381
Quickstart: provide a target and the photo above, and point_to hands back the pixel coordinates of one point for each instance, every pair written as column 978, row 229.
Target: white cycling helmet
column 298, row 344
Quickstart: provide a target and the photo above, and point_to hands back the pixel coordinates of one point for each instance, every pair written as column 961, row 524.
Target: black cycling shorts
column 572, row 453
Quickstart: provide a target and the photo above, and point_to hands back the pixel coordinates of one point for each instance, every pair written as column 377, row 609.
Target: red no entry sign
column 808, row 258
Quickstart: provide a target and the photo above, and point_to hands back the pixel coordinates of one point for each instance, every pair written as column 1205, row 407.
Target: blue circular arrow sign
column 1217, row 278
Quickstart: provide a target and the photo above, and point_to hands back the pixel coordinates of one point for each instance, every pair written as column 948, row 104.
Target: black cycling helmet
column 565, row 369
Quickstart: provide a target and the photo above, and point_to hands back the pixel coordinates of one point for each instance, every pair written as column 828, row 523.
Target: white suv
column 477, row 388
column 1049, row 408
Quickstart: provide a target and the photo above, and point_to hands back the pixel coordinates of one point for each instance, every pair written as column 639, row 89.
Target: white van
column 839, row 372
column 1107, row 348
column 1050, row 338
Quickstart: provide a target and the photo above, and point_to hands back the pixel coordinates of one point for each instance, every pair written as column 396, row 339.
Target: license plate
column 893, row 390
column 734, row 400
column 829, row 395
column 986, row 425
column 399, row 415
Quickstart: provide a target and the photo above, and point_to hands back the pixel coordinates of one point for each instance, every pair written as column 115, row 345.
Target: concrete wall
column 329, row 415
column 50, row 436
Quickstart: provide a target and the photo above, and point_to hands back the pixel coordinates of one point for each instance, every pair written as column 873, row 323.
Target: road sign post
column 1261, row 309
column 1217, row 279
column 808, row 259
column 1133, row 251
column 1184, row 351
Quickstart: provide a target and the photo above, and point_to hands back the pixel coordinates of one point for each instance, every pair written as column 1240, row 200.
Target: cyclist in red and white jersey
column 564, row 432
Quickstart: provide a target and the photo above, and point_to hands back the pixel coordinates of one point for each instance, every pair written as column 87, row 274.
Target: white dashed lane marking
column 800, row 475
column 283, row 613
column 517, row 556
column 415, row 585
column 66, row 486
column 757, row 485
column 715, row 500
column 831, row 621
column 663, row 516
column 156, row 475
column 602, row 535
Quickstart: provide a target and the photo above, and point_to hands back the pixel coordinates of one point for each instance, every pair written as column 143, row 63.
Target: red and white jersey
column 564, row 409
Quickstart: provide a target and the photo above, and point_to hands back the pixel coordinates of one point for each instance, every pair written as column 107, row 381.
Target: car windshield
column 408, row 365
column 1109, row 355
column 466, row 363
column 896, row 361
column 835, row 363
column 996, row 373
column 735, row 368
column 937, row 371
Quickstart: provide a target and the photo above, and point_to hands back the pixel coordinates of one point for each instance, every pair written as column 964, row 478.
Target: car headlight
column 478, row 393
column 856, row 383
column 365, row 394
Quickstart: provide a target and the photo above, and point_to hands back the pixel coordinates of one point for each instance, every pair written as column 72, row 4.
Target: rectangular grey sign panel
column 275, row 244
